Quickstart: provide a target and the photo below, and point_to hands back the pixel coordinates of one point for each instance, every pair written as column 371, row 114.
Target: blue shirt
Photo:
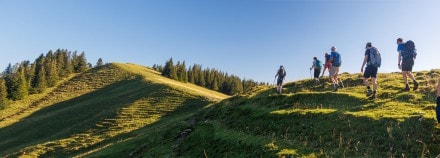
column 336, row 59
column 401, row 47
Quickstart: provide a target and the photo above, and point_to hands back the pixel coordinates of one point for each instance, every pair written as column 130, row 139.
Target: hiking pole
column 274, row 81
column 311, row 74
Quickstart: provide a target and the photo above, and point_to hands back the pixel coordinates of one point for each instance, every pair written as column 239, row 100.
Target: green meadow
column 127, row 110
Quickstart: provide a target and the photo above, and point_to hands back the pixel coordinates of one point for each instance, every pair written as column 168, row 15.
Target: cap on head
column 368, row 45
column 399, row 40
column 333, row 48
column 314, row 58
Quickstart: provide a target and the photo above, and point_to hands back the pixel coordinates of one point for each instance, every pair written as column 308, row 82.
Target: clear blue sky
column 249, row 38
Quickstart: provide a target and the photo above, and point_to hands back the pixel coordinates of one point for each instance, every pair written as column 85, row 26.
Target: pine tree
column 215, row 84
column 181, row 72
column 99, row 63
column 52, row 73
column 191, row 75
column 39, row 83
column 18, row 87
column 170, row 70
column 81, row 64
column 3, row 92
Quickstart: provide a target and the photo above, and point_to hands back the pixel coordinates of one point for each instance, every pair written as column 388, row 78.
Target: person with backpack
column 335, row 59
column 281, row 74
column 373, row 60
column 316, row 65
column 328, row 64
column 407, row 54
column 437, row 109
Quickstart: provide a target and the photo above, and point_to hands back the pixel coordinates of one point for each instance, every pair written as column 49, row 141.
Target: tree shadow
column 83, row 113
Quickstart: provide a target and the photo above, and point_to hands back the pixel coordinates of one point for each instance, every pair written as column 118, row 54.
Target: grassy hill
column 126, row 110
column 309, row 120
column 95, row 109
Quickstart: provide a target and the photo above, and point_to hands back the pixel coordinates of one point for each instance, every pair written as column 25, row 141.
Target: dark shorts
column 316, row 73
column 407, row 65
column 279, row 82
column 370, row 71
column 437, row 110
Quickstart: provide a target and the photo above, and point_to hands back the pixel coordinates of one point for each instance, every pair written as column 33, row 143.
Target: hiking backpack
column 318, row 64
column 410, row 50
column 281, row 73
column 336, row 59
column 375, row 59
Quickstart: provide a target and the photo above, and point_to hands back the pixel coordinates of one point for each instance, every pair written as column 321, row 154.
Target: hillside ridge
column 95, row 108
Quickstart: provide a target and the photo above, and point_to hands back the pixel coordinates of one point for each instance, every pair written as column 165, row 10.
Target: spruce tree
column 19, row 90
column 3, row 92
column 39, row 83
column 99, row 63
column 81, row 63
column 170, row 70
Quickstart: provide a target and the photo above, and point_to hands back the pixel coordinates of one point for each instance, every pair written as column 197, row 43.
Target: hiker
column 316, row 65
column 281, row 74
column 437, row 110
column 335, row 59
column 371, row 70
column 328, row 64
column 406, row 62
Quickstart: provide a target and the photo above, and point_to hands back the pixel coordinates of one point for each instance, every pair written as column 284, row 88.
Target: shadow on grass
column 81, row 114
column 333, row 134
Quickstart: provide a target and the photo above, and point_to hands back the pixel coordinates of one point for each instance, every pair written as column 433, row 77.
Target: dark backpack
column 375, row 59
column 410, row 50
column 281, row 73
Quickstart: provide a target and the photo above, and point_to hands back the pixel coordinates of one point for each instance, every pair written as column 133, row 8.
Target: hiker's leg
column 438, row 88
column 405, row 80
column 366, row 82
column 410, row 75
column 373, row 80
column 336, row 75
column 437, row 110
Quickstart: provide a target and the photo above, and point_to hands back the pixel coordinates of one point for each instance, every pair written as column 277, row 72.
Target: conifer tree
column 18, row 88
column 50, row 66
column 99, row 63
column 170, row 70
column 3, row 92
column 215, row 84
column 81, row 63
column 191, row 75
column 39, row 83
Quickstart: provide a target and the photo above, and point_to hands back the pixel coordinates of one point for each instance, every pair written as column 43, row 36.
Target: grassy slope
column 309, row 120
column 98, row 108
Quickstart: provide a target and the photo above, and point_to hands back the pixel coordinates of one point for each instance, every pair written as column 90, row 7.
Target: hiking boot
column 369, row 92
column 416, row 85
column 406, row 89
column 336, row 89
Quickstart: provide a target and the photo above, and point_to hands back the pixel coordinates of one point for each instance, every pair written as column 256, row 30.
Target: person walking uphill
column 317, row 65
column 372, row 60
column 437, row 109
column 281, row 74
column 335, row 59
column 406, row 61
column 328, row 64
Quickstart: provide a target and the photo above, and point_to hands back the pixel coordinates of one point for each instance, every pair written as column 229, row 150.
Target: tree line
column 20, row 80
column 209, row 78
